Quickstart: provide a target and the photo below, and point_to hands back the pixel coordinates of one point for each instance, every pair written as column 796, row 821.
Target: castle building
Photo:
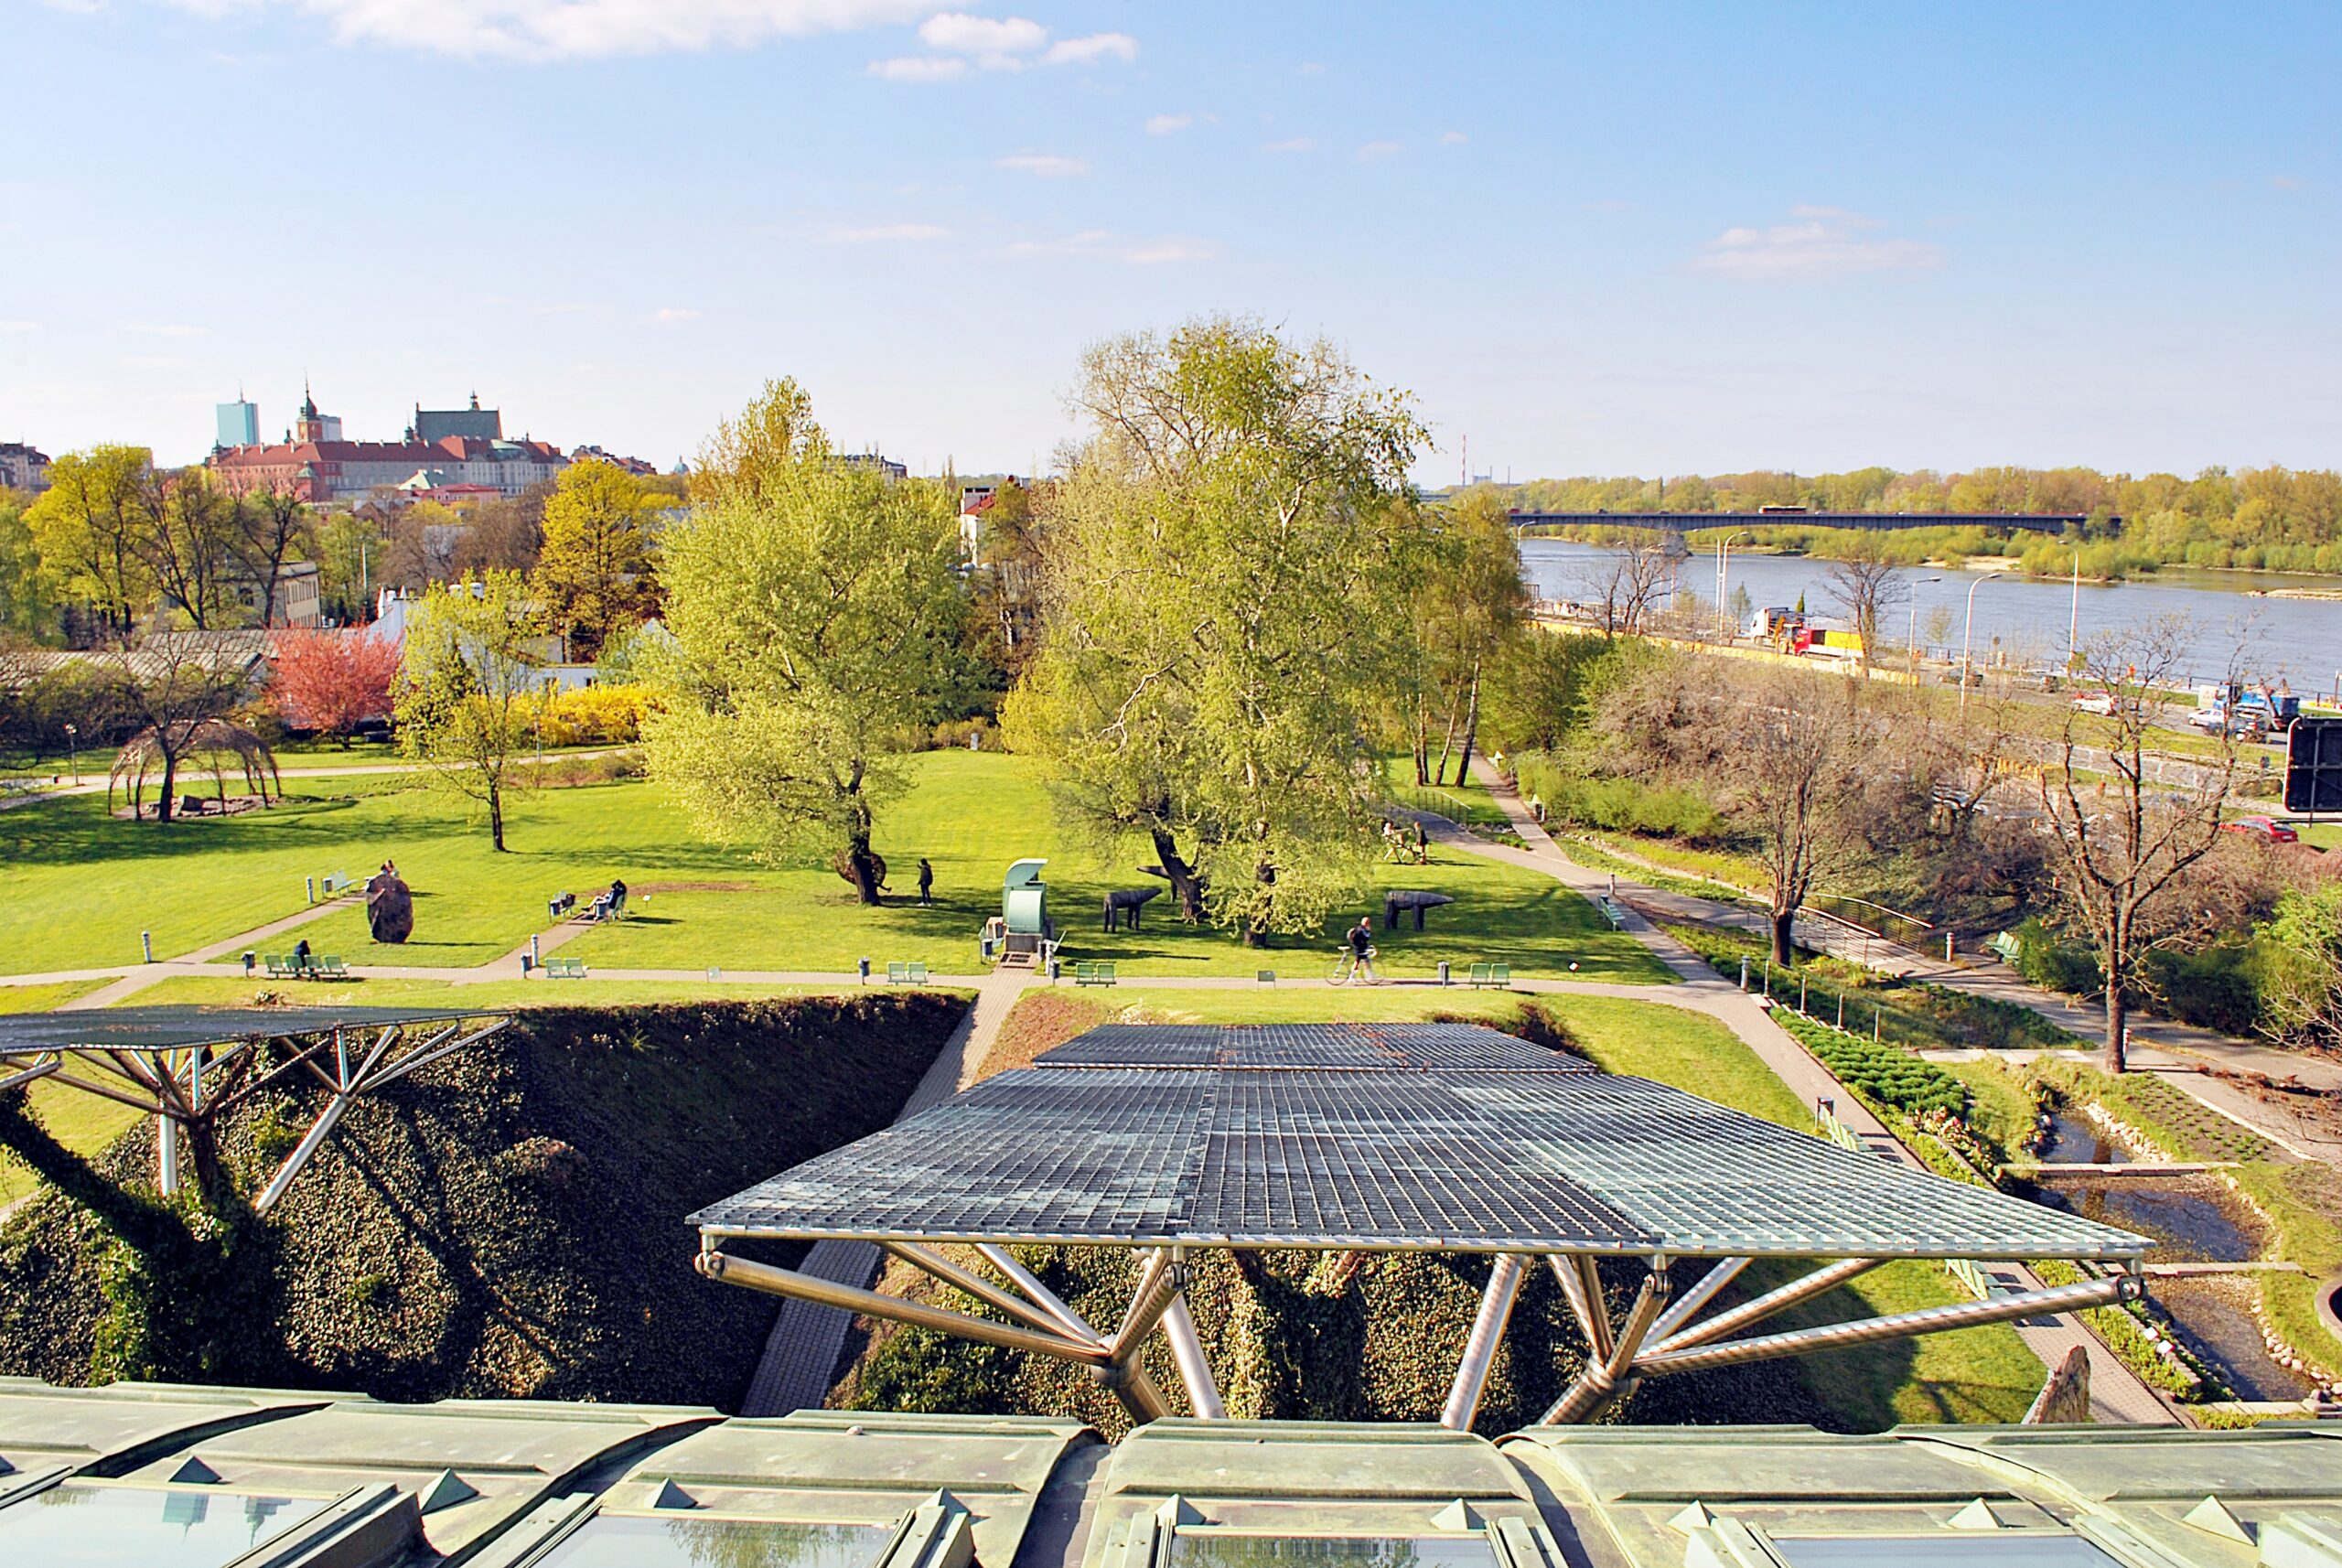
column 462, row 448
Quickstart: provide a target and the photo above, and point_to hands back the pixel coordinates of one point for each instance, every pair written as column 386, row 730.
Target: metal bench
column 1612, row 912
column 335, row 883
column 901, row 973
column 560, row 904
column 1491, row 976
column 2006, row 946
column 1093, row 971
column 281, row 966
column 560, row 968
column 1264, row 977
column 327, row 966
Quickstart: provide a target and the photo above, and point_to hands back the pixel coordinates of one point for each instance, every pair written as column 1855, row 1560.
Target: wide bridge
column 1690, row 522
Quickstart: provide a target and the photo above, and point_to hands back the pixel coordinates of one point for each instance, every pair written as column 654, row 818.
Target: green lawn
column 488, row 996
column 84, row 885
column 41, row 998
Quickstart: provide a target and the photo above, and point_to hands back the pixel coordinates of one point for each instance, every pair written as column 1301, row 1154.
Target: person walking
column 1361, row 940
column 926, row 883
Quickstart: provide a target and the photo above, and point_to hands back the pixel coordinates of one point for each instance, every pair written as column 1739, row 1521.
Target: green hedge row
column 1889, row 1074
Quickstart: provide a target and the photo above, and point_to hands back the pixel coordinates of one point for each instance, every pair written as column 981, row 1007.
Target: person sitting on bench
column 301, row 955
column 618, row 895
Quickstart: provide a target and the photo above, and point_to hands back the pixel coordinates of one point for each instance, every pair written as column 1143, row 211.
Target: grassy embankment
column 84, row 886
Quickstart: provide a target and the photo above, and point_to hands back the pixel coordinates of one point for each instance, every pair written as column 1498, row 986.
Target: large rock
column 389, row 907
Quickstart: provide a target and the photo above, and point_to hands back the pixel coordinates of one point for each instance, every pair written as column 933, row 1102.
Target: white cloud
column 164, row 330
column 1309, row 68
column 919, row 68
column 150, row 361
column 887, row 232
column 1373, row 150
column 994, row 43
column 1049, row 165
column 669, row 314
column 1165, row 125
column 13, row 326
column 1824, row 242
column 582, row 29
column 1095, row 47
column 1453, row 138
column 76, row 7
column 1297, row 144
column 1102, row 245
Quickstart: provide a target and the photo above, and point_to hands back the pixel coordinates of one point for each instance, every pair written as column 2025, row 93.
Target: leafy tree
column 467, row 692
column 27, row 596
column 189, row 532
column 1472, row 603
column 815, row 614
column 272, row 527
column 88, row 526
column 170, row 685
column 594, row 574
column 351, row 551
column 1234, row 552
column 2301, row 985
column 332, row 682
column 1010, row 575
column 1864, row 585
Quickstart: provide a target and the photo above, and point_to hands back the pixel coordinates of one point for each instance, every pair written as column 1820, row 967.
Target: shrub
column 2218, row 987
column 595, row 715
column 1887, row 1074
column 2055, row 962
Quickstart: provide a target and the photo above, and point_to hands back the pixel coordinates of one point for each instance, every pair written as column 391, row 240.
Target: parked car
column 2267, row 829
column 2099, row 703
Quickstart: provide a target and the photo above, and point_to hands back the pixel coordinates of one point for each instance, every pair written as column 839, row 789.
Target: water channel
column 2192, row 1220
column 2028, row 621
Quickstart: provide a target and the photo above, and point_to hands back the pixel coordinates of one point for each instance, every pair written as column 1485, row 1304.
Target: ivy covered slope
column 508, row 1222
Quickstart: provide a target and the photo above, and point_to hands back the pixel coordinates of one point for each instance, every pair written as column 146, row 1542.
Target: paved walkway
column 800, row 1355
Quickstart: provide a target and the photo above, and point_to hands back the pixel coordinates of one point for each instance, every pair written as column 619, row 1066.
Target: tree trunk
column 496, row 816
column 1185, row 885
column 862, row 866
column 1255, row 933
column 2118, row 1010
column 170, row 778
column 1422, row 744
column 1446, row 742
column 1784, row 933
column 1471, row 728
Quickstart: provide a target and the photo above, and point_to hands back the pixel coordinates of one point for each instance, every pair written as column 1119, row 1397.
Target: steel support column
column 1598, row 1384
column 1901, row 1324
column 1188, row 1351
column 1023, row 1279
column 1480, row 1345
column 1803, row 1288
column 1688, row 1305
column 983, row 1290
column 852, row 1298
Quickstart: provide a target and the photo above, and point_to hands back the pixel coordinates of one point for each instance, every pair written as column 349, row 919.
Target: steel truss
column 1654, row 1336
column 170, row 1085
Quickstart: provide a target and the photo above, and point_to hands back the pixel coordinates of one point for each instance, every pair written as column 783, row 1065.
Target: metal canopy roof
column 164, row 1029
column 1454, row 1158
column 1417, row 1046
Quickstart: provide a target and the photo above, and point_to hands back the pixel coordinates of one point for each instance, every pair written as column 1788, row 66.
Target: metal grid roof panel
column 1468, row 1160
column 154, row 1028
column 1420, row 1047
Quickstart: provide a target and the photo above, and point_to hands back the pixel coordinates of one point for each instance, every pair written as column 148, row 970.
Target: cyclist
column 1361, row 941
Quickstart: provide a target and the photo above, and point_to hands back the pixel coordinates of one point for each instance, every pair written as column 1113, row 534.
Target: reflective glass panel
column 67, row 1526
column 1946, row 1550
column 1215, row 1550
column 610, row 1540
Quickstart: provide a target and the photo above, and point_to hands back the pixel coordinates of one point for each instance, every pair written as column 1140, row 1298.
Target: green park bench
column 327, row 966
column 281, row 966
column 1093, row 971
column 559, row 968
column 1491, row 976
column 335, row 883
column 1612, row 912
column 907, row 973
column 1264, row 977
column 2007, row 946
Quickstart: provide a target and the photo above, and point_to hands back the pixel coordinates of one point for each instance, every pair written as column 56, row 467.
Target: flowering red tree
column 332, row 682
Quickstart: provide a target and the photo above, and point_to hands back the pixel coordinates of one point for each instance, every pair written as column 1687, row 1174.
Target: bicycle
column 1347, row 966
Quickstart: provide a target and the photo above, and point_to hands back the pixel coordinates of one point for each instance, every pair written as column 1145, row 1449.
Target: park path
column 801, row 1354
column 2116, row 1393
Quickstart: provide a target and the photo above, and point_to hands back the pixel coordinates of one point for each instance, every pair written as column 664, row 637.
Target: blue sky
column 1591, row 239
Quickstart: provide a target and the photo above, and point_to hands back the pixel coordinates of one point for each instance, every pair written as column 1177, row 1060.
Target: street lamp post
column 1911, row 633
column 1723, row 572
column 1966, row 627
column 73, row 745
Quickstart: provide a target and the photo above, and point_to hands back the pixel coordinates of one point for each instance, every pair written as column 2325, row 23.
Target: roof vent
column 194, row 1472
column 672, row 1496
column 1457, row 1515
column 1177, row 1510
column 2213, row 1514
column 1696, row 1517
column 1978, row 1515
column 446, row 1489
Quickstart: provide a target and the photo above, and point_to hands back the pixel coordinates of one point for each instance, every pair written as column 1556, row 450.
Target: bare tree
column 1796, row 754
column 273, row 526
column 173, row 683
column 2122, row 841
column 1864, row 585
column 1629, row 584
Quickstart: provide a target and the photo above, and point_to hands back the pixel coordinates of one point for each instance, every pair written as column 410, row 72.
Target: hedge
column 506, row 1222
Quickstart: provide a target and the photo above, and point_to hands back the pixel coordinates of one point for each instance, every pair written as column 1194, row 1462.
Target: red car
column 2266, row 828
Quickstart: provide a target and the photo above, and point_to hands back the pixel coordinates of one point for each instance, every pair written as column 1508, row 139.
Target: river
column 2026, row 620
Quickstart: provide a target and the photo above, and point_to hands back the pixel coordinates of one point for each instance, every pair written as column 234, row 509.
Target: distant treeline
column 2272, row 518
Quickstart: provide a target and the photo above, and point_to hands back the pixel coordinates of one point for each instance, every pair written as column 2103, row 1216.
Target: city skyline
column 1689, row 240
